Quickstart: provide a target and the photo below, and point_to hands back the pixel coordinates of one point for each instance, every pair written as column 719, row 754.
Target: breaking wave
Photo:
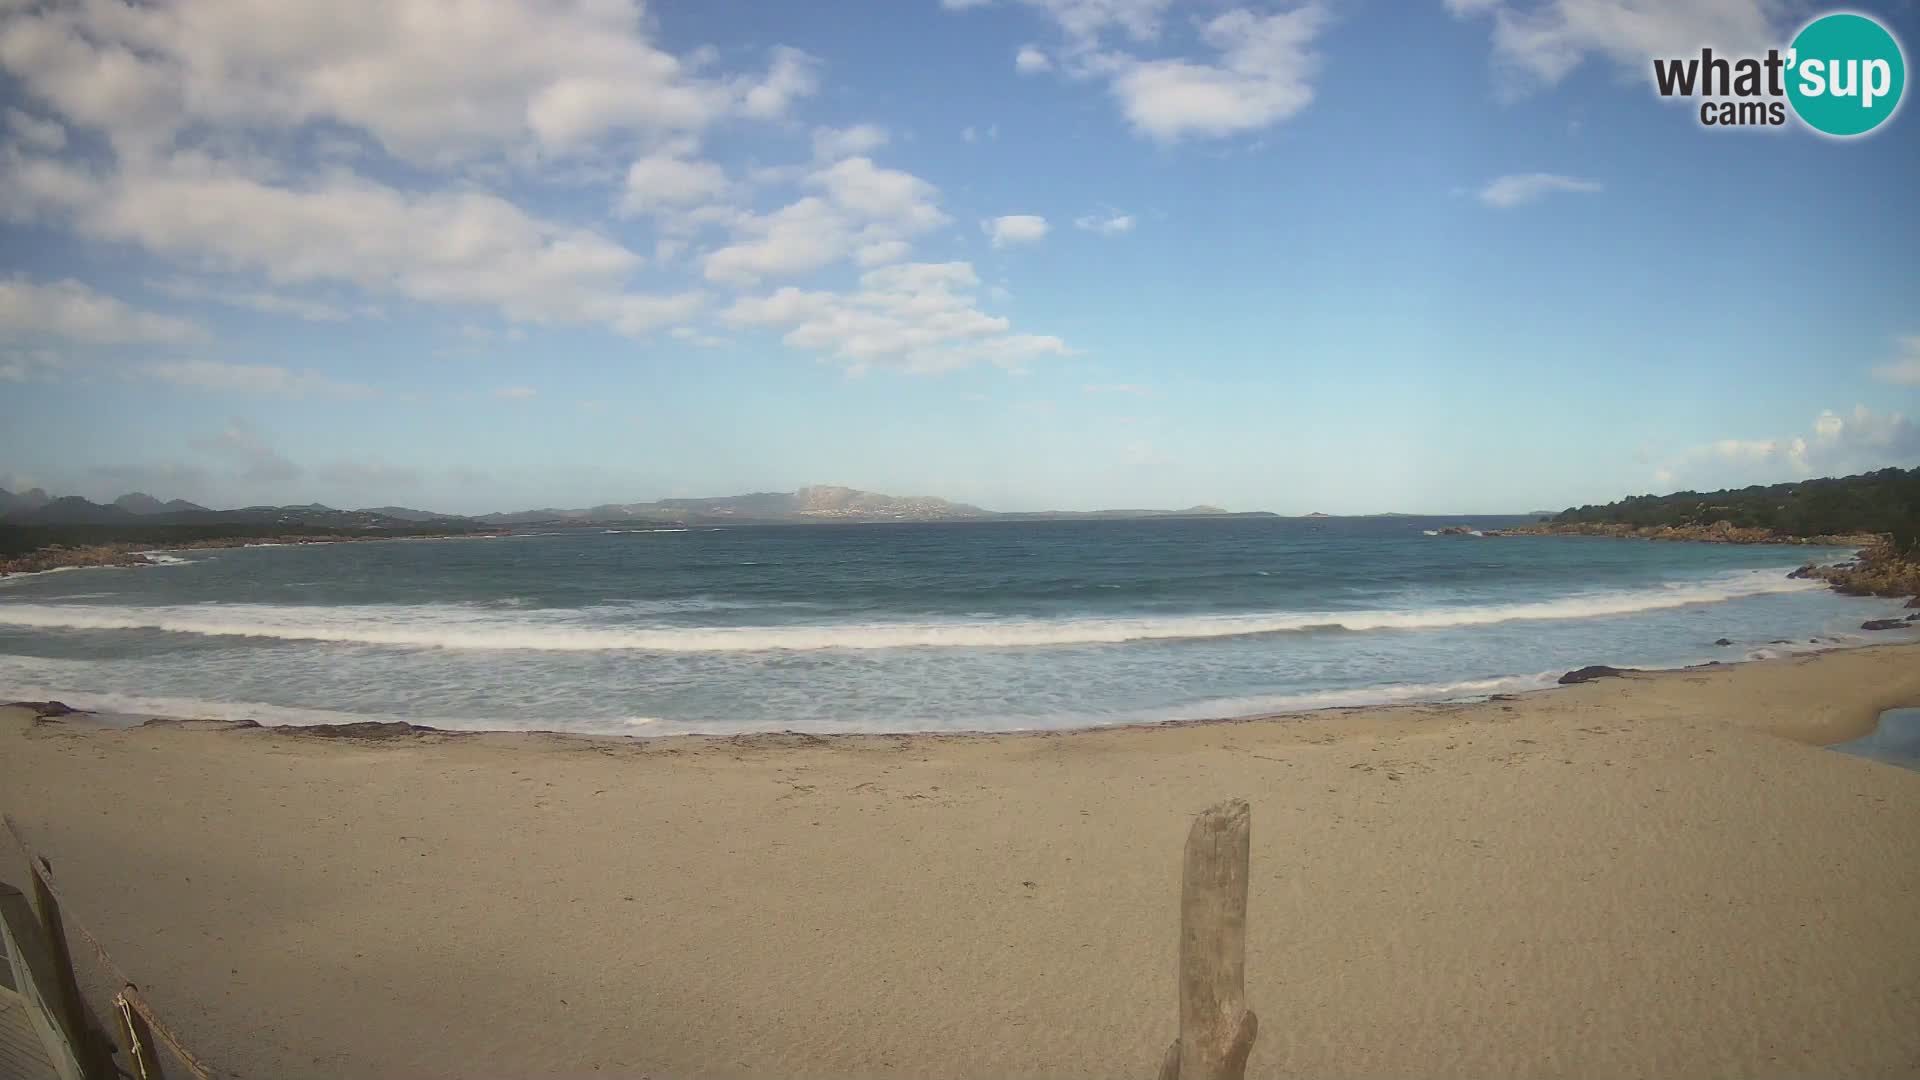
column 457, row 626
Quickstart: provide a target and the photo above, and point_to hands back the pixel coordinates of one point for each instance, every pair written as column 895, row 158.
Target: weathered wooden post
column 1216, row 1028
column 95, row 1057
column 139, row 1038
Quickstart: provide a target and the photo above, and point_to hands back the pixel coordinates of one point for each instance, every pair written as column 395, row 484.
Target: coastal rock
column 1805, row 571
column 365, row 729
column 1722, row 641
column 1913, row 601
column 1884, row 624
column 1590, row 673
column 43, row 710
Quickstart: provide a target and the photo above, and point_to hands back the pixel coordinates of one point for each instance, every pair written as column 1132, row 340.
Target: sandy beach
column 1658, row 875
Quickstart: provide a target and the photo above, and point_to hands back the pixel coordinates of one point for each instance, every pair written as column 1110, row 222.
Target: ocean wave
column 455, row 626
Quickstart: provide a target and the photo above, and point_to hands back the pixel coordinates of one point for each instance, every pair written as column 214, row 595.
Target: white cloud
column 1542, row 41
column 885, row 251
column 867, row 211
column 35, row 132
column 913, row 317
column 1260, row 71
column 1105, row 224
column 832, row 144
column 181, row 288
column 1262, row 77
column 1905, row 368
column 70, row 311
column 1522, row 188
column 1015, row 229
column 1839, row 444
column 452, row 247
column 1030, row 60
column 263, row 379
column 671, row 176
column 516, row 393
column 431, row 84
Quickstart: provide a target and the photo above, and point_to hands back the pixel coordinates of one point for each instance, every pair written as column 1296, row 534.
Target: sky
column 1344, row 256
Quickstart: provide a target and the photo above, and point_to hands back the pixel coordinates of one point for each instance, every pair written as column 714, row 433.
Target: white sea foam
column 455, row 626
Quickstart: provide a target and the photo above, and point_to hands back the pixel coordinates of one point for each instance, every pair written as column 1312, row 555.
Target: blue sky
column 1339, row 256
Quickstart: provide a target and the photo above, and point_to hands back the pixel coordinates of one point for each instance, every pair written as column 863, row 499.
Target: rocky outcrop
column 1590, row 673
column 1884, row 624
column 1876, row 572
column 53, row 558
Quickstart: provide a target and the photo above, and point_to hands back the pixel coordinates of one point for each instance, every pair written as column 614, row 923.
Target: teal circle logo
column 1845, row 74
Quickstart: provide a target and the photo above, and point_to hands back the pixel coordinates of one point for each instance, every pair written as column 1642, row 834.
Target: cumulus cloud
column 1538, row 42
column 913, row 317
column 1522, row 188
column 832, row 144
column 1030, row 60
column 432, row 85
column 671, row 176
column 864, row 210
column 445, row 247
column 1257, row 70
column 266, row 380
column 1263, row 75
column 1015, row 229
column 1105, row 224
column 1905, row 367
column 1838, row 444
column 69, row 311
column 313, row 161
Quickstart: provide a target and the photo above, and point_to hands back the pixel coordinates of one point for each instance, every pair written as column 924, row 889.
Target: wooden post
column 87, row 1043
column 139, row 1038
column 1216, row 1028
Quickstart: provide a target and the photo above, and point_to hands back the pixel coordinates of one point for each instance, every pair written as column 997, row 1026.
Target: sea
column 991, row 626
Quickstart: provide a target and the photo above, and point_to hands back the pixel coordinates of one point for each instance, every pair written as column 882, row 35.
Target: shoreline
column 1648, row 875
column 381, row 730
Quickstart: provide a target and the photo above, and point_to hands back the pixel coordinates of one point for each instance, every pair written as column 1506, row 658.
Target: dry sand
column 1652, row 876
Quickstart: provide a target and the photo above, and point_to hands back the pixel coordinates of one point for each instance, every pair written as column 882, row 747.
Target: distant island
column 39, row 531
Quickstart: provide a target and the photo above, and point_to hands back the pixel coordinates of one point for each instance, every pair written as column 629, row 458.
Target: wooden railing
column 37, row 941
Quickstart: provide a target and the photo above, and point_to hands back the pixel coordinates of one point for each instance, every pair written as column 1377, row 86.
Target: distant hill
column 405, row 513
column 71, row 510
column 30, row 499
column 817, row 504
column 1887, row 501
column 139, row 502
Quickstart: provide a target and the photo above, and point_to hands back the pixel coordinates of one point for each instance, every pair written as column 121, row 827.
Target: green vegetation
column 21, row 539
column 1887, row 501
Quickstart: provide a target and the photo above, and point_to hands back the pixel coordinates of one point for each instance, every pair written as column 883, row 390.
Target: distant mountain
column 817, row 504
column 30, row 499
column 405, row 513
column 139, row 502
column 71, row 510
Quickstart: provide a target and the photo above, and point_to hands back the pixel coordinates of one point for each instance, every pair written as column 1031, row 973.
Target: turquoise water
column 990, row 626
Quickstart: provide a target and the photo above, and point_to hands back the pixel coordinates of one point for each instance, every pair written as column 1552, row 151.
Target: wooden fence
column 77, row 1045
